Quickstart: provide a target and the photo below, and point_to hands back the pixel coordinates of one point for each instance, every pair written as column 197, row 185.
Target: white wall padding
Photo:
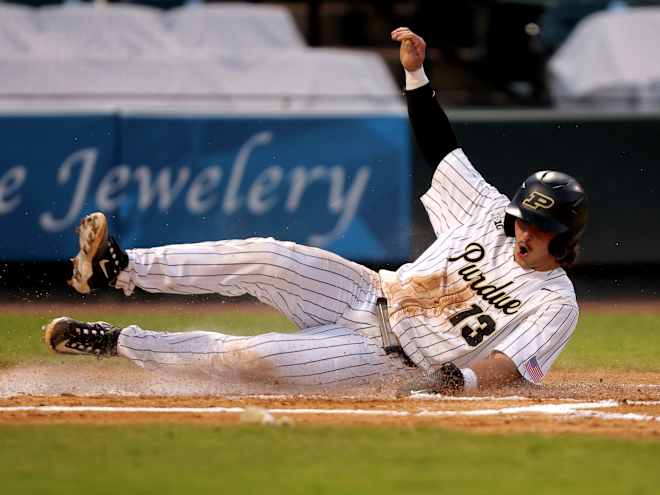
column 235, row 54
column 610, row 58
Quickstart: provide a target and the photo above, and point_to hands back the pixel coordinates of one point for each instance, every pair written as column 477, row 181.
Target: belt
column 391, row 344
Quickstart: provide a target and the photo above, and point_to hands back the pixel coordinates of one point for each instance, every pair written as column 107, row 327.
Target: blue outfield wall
column 342, row 184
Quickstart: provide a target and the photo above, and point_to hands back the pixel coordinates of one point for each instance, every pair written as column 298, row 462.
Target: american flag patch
column 533, row 369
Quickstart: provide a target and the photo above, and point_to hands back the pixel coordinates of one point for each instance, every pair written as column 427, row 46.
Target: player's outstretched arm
column 430, row 124
column 493, row 372
column 497, row 370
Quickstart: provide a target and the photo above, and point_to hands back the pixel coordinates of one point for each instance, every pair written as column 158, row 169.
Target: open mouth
column 523, row 250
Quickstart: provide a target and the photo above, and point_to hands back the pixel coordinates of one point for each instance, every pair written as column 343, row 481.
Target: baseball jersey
column 465, row 296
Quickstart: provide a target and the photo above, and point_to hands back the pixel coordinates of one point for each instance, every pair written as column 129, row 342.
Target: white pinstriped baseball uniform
column 462, row 299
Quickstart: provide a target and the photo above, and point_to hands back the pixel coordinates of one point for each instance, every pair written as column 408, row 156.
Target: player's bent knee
column 254, row 356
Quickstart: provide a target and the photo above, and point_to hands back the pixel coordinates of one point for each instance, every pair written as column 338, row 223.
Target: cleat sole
column 50, row 333
column 92, row 232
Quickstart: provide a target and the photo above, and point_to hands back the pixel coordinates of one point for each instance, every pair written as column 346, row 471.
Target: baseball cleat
column 68, row 336
column 100, row 258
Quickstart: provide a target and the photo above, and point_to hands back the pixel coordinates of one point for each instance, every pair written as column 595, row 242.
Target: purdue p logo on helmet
column 554, row 202
column 538, row 200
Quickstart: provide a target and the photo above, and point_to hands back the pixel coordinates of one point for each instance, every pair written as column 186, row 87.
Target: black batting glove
column 446, row 380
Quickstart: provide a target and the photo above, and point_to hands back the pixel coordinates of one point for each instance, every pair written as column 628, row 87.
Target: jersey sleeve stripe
column 438, row 198
column 562, row 338
column 566, row 323
column 508, row 346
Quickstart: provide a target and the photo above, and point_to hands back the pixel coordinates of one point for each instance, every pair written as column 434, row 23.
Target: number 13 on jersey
column 474, row 333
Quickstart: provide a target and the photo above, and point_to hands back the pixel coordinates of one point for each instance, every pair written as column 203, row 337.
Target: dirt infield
column 112, row 391
column 626, row 405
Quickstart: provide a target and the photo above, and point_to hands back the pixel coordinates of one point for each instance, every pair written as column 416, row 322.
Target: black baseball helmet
column 554, row 202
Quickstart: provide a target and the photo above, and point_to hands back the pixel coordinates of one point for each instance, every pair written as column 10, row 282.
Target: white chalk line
column 552, row 409
column 642, row 402
column 449, row 398
column 579, row 409
column 616, row 416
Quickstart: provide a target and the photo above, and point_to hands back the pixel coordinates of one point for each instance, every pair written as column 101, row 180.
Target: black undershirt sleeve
column 430, row 125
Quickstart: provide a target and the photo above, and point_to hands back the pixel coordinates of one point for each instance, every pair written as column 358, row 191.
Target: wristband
column 470, row 377
column 416, row 79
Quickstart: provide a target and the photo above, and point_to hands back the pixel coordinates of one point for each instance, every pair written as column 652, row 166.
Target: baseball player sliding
column 487, row 304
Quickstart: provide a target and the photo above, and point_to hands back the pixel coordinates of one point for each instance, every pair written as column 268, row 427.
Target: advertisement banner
column 338, row 183
column 48, row 167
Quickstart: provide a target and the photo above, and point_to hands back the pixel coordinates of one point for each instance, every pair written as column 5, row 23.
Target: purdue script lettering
column 215, row 188
column 495, row 295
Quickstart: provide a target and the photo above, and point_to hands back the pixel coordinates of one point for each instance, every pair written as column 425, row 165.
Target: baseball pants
column 331, row 300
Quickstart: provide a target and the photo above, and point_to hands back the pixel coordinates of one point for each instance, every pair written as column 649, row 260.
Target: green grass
column 614, row 342
column 178, row 459
column 621, row 342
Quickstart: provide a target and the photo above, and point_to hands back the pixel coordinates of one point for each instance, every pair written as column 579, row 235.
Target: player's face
column 531, row 248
